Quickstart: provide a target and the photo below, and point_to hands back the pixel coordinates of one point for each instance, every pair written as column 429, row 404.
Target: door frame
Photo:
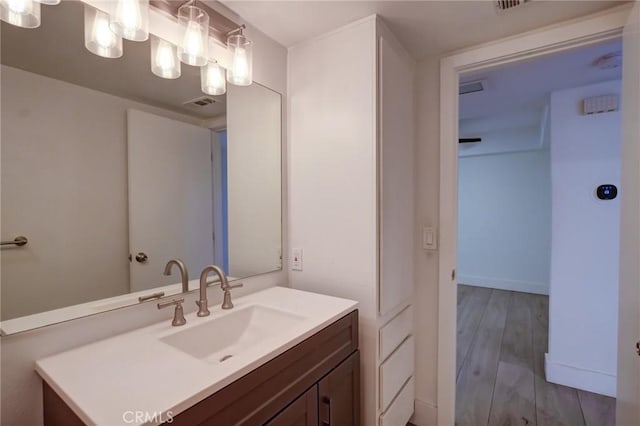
column 593, row 28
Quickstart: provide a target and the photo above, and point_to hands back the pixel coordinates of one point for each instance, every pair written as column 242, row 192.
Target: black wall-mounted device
column 607, row 192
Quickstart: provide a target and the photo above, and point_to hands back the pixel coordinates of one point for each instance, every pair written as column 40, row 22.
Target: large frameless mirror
column 110, row 171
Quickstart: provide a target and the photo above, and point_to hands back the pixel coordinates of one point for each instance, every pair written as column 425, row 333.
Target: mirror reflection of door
column 170, row 197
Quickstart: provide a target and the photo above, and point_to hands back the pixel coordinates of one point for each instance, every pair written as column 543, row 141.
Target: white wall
column 253, row 176
column 64, row 164
column 21, row 389
column 583, row 305
column 332, row 176
column 426, row 261
column 504, row 221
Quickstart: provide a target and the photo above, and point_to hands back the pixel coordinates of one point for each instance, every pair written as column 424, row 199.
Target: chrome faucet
column 226, row 287
column 184, row 275
column 203, row 308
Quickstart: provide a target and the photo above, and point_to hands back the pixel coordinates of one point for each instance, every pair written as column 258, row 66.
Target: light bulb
column 212, row 79
column 164, row 59
column 240, row 64
column 195, row 42
column 21, row 13
column 18, row 6
column 129, row 14
column 240, row 72
column 130, row 19
column 98, row 36
column 102, row 34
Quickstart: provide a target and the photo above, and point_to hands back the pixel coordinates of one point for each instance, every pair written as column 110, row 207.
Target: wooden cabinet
column 285, row 391
column 334, row 401
column 339, row 394
column 302, row 412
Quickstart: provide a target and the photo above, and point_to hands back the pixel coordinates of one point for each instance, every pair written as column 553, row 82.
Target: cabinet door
column 339, row 394
column 302, row 412
column 396, row 177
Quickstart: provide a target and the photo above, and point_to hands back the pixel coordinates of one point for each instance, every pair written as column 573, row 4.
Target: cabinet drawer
column 395, row 331
column 395, row 371
column 401, row 409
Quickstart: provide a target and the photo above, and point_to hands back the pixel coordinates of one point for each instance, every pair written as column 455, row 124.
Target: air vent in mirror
column 509, row 4
column 202, row 101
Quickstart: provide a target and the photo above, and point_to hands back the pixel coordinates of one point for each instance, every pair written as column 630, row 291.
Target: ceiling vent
column 473, row 87
column 509, row 4
column 201, row 102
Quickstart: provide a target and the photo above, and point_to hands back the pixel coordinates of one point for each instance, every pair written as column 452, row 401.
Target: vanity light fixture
column 212, row 79
column 98, row 37
column 164, row 58
column 21, row 13
column 195, row 43
column 241, row 71
column 130, row 19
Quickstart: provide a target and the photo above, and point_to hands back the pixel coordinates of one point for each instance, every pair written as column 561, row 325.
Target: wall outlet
column 296, row 259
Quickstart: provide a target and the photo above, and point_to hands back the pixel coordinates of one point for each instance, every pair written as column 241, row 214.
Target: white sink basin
column 107, row 378
column 221, row 338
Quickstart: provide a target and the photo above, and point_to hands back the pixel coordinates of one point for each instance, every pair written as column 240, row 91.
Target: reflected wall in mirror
column 111, row 171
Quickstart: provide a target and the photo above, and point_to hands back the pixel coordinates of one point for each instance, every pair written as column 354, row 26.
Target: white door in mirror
column 170, row 197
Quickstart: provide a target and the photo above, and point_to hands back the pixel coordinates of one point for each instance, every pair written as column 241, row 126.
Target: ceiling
column 56, row 50
column 528, row 83
column 424, row 27
column 511, row 114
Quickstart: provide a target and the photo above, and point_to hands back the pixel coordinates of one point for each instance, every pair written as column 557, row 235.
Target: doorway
column 531, row 157
column 594, row 29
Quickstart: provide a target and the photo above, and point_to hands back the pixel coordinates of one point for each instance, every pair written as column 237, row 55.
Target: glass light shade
column 130, row 19
column 195, row 43
column 164, row 59
column 21, row 13
column 241, row 71
column 212, row 79
column 98, row 37
column 49, row 2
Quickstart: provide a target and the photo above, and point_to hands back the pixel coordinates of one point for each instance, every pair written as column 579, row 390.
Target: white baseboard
column 580, row 378
column 425, row 414
column 500, row 284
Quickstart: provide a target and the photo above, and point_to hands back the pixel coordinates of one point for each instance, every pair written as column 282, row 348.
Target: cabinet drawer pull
column 325, row 411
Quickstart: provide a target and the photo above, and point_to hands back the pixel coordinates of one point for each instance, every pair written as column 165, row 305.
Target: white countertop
column 137, row 372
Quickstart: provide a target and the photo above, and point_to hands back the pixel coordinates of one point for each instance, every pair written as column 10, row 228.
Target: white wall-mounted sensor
column 600, row 104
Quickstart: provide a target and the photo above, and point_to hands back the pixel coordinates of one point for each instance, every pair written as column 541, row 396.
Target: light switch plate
column 296, row 259
column 429, row 238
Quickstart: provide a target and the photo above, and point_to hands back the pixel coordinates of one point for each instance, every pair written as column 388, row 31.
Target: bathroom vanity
column 280, row 357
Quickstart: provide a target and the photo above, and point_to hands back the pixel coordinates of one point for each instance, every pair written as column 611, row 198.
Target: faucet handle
column 226, row 302
column 178, row 314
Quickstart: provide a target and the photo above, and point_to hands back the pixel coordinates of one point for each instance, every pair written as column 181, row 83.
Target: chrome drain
column 226, row 357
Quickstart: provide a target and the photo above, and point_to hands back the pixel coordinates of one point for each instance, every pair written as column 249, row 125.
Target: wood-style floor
column 502, row 339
